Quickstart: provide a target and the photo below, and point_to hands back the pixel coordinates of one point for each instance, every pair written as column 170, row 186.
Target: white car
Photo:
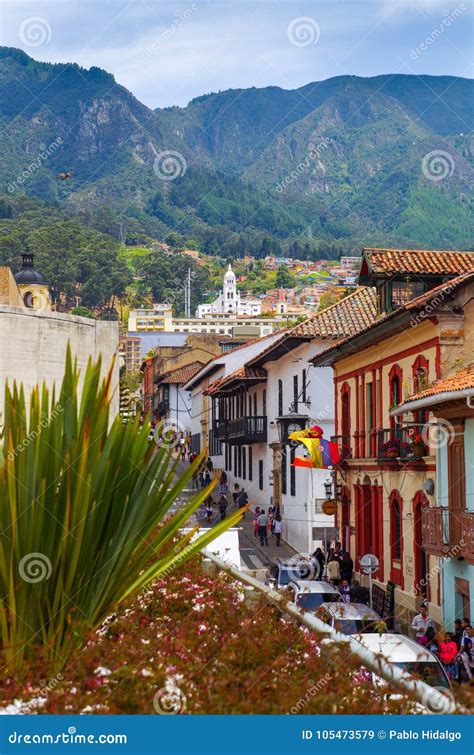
column 309, row 594
column 351, row 618
column 405, row 653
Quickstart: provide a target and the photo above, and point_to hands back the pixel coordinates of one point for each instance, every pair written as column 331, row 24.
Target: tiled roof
column 181, row 374
column 248, row 374
column 459, row 381
column 434, row 297
column 345, row 317
column 390, row 261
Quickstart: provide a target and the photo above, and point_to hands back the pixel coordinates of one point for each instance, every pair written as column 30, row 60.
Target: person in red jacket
column 447, row 653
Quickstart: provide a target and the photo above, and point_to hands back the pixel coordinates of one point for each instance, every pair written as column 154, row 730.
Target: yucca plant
column 84, row 514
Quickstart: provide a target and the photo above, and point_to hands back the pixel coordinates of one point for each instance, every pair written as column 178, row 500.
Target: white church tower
column 229, row 301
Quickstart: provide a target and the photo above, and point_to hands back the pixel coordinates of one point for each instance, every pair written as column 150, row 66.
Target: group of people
column 240, row 497
column 454, row 649
column 267, row 523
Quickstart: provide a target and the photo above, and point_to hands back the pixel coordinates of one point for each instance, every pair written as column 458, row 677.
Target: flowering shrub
column 197, row 643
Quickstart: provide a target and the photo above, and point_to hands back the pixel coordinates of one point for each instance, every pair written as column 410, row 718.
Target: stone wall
column 33, row 347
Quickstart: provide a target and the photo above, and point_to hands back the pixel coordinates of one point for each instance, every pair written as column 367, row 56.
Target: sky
column 167, row 52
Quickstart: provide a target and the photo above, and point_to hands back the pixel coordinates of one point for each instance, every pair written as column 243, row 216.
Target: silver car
column 351, row 618
column 309, row 594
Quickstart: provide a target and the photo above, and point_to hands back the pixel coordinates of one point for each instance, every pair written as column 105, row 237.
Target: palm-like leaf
column 81, row 501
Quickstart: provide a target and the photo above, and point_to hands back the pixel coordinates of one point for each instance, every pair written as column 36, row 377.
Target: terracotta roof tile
column 433, row 297
column 459, row 381
column 345, row 317
column 180, row 374
column 427, row 262
column 255, row 374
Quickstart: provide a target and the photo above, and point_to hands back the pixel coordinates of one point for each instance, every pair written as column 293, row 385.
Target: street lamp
column 328, row 489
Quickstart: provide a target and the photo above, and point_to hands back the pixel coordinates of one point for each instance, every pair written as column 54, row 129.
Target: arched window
column 420, row 371
column 395, row 380
column 396, row 538
column 346, row 418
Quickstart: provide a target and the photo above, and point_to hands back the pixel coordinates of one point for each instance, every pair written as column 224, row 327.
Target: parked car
column 351, row 618
column 282, row 570
column 309, row 594
column 405, row 653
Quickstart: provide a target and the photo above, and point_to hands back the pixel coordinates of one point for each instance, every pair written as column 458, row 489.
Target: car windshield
column 359, row 626
column 311, row 600
column 429, row 671
column 294, row 572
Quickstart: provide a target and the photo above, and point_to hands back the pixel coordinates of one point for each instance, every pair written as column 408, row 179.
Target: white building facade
column 230, row 301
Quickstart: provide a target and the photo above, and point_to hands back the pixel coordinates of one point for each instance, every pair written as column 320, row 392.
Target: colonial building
column 230, row 301
column 31, row 284
column 447, row 527
column 389, row 472
column 247, row 406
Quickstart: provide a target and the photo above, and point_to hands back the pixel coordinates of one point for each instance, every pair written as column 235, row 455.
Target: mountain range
column 346, row 161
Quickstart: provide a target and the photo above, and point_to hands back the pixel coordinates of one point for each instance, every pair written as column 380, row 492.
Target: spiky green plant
column 85, row 515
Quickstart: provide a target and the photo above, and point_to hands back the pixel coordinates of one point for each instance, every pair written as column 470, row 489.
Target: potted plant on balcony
column 390, row 449
column 417, row 444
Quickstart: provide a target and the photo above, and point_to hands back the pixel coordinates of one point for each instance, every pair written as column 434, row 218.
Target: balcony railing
column 401, row 443
column 242, row 430
column 163, row 408
column 434, row 530
column 446, row 532
column 467, row 534
column 344, row 444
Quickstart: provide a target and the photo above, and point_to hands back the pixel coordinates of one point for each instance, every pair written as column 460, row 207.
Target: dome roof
column 230, row 273
column 27, row 275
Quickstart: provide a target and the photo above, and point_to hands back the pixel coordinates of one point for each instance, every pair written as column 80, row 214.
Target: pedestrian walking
column 207, row 478
column 465, row 662
column 209, row 464
column 347, row 567
column 448, row 651
column 271, row 517
column 334, row 570
column 345, row 591
column 262, row 527
column 223, row 486
column 223, row 507
column 421, row 622
column 235, row 494
column 317, row 562
column 209, row 509
column 277, row 528
column 242, row 500
column 256, row 514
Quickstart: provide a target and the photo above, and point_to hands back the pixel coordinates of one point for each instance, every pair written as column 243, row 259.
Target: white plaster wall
column 179, row 413
column 33, row 347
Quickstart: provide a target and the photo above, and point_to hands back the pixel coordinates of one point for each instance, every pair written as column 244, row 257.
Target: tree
column 83, row 312
column 284, row 279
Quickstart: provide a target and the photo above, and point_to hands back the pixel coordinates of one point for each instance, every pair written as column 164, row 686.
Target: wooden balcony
column 447, row 532
column 242, row 431
column 401, row 444
column 467, row 535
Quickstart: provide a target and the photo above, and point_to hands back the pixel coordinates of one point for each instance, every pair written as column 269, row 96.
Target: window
column 235, row 462
column 264, row 404
column 239, row 460
column 396, row 530
column 404, row 291
column 303, row 386
column 260, row 475
column 250, row 464
column 283, row 470
column 292, row 473
column 244, row 463
column 255, row 404
column 346, row 415
column 280, row 398
column 295, row 393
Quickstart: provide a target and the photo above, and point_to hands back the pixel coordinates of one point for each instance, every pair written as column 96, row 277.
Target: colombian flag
column 322, row 453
